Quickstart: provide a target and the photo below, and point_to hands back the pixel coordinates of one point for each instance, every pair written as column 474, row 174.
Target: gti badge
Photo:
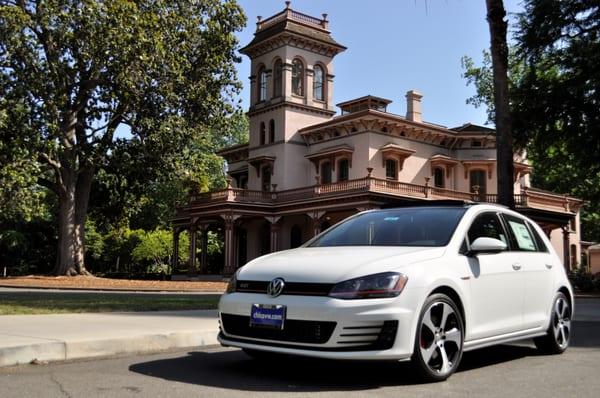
column 275, row 287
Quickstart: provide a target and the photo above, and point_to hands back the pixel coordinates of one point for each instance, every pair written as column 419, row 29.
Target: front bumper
column 356, row 332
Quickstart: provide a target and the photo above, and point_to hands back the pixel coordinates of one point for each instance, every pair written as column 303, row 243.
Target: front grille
column 309, row 332
column 290, row 288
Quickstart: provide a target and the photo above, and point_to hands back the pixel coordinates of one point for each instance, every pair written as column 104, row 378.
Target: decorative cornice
column 252, row 112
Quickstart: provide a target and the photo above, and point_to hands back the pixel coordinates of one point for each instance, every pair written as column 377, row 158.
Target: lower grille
column 309, row 332
column 375, row 337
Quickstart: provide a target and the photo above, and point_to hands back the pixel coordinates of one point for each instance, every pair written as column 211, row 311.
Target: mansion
column 306, row 166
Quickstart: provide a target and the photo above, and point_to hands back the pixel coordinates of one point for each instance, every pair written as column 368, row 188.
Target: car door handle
column 549, row 266
column 516, row 266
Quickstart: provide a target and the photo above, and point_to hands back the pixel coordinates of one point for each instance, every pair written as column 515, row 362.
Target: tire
column 439, row 339
column 557, row 337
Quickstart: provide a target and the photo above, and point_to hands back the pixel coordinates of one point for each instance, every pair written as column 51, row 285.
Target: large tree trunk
column 73, row 197
column 499, row 47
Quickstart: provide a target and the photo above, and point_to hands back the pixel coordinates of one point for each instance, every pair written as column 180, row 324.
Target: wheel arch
column 453, row 294
column 567, row 292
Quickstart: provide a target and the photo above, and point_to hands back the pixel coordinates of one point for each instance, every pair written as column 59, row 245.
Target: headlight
column 387, row 284
column 231, row 286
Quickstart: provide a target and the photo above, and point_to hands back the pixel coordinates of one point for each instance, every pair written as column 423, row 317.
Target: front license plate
column 267, row 316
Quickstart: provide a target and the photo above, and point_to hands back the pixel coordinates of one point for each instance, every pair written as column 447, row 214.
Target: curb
column 67, row 350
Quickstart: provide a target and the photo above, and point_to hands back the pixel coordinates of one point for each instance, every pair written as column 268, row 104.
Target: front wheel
column 439, row 339
column 558, row 335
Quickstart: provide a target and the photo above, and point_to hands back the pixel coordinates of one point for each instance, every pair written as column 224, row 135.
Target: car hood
column 333, row 264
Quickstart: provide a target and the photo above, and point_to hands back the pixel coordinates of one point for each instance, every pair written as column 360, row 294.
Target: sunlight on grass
column 55, row 303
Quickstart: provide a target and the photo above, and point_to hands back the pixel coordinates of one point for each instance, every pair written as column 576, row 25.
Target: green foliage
column 72, row 72
column 554, row 81
column 584, row 281
column 155, row 247
column 94, row 240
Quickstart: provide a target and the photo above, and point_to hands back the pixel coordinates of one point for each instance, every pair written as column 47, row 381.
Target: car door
column 537, row 264
column 497, row 287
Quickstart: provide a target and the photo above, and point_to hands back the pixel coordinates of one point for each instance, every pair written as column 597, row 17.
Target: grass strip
column 60, row 303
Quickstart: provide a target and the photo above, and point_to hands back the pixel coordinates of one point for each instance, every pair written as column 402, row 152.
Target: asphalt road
column 503, row 371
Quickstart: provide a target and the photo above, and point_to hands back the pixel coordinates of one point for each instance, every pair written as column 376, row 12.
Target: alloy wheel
column 441, row 338
column 561, row 322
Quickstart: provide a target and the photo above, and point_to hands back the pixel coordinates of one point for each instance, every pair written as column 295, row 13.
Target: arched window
column 438, row 177
column 295, row 236
column 262, row 133
column 326, row 172
column 262, row 84
column 391, row 169
column 277, row 79
column 297, row 77
column 271, row 131
column 318, row 86
column 343, row 170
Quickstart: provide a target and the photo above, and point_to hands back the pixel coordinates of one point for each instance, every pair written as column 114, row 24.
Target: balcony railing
column 527, row 198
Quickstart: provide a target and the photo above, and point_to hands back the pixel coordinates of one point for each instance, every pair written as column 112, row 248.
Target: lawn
column 16, row 303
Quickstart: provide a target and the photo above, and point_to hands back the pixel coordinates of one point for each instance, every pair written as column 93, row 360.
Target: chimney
column 413, row 106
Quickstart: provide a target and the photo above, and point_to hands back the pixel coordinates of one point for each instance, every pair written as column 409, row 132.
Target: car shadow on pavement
column 232, row 369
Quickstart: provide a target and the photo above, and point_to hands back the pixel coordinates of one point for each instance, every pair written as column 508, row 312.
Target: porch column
column 230, row 257
column 566, row 248
column 203, row 248
column 175, row 258
column 192, row 260
column 315, row 216
column 275, row 228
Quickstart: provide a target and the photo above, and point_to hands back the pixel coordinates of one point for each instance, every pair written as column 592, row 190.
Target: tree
column 72, row 72
column 554, row 91
column 504, row 145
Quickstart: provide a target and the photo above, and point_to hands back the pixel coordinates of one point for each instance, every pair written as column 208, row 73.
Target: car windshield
column 395, row 227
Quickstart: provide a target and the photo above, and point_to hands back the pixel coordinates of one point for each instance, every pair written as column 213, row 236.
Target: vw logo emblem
column 275, row 287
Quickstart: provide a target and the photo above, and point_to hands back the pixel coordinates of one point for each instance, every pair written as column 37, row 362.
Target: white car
column 416, row 283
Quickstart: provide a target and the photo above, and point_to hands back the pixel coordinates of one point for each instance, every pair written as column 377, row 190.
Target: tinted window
column 522, row 239
column 395, row 227
column 487, row 225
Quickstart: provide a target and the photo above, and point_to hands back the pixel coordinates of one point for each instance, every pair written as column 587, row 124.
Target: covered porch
column 254, row 223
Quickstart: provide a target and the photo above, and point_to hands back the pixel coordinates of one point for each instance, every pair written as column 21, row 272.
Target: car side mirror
column 487, row 245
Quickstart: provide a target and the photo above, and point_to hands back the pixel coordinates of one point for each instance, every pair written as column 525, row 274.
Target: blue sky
column 395, row 46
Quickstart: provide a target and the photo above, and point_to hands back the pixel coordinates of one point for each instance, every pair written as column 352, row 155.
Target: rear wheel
column 439, row 339
column 558, row 335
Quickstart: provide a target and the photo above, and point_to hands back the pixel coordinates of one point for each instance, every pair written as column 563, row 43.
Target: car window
column 487, row 225
column 521, row 234
column 394, row 227
column 541, row 246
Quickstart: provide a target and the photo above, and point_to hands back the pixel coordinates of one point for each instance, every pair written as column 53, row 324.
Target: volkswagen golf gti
column 423, row 284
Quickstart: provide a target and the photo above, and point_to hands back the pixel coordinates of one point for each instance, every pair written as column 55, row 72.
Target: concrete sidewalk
column 59, row 337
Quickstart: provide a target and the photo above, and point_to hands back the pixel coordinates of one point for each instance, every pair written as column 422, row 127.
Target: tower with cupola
column 291, row 86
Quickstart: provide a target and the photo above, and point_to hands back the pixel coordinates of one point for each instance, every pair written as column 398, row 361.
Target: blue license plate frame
column 271, row 316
